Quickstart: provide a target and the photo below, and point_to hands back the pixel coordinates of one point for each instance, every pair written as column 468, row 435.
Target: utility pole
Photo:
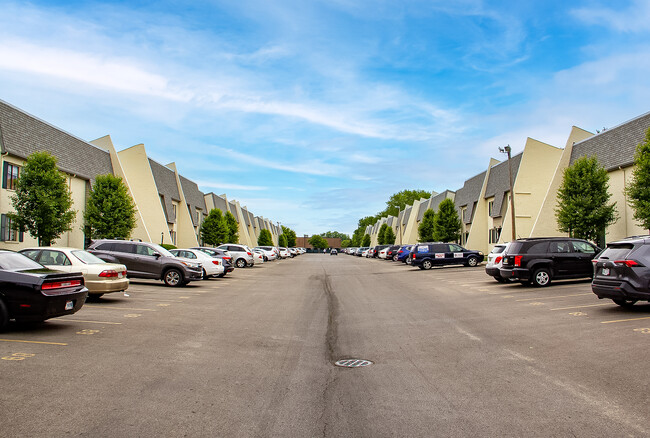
column 512, row 192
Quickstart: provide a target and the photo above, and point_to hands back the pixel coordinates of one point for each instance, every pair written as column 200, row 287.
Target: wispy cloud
column 633, row 19
column 228, row 186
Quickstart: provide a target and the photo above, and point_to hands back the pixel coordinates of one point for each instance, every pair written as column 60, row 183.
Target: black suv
column 147, row 260
column 621, row 271
column 540, row 260
column 426, row 255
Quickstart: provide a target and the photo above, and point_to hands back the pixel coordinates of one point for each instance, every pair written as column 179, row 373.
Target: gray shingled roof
column 614, row 147
column 468, row 196
column 219, row 203
column 498, row 183
column 22, row 134
column 194, row 197
column 407, row 214
column 251, row 219
column 233, row 209
column 435, row 201
column 424, row 204
column 165, row 180
column 389, row 221
column 400, row 216
column 246, row 218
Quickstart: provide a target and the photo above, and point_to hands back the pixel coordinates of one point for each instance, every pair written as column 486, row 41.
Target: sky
column 312, row 113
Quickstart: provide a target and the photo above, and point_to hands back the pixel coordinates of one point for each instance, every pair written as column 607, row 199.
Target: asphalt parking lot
column 454, row 354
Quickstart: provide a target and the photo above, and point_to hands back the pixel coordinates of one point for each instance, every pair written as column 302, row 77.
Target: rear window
column 616, row 251
column 497, row 249
column 12, row 261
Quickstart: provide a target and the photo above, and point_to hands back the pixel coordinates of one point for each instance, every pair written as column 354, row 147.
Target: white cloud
column 634, row 19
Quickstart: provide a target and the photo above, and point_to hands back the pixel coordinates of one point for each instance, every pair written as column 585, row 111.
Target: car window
column 616, row 251
column 456, row 248
column 439, row 247
column 31, row 253
column 57, row 258
column 128, row 248
column 145, row 250
column 535, row 248
column 189, row 254
column 18, row 262
column 88, row 258
column 106, row 246
column 583, row 247
column 558, row 246
column 498, row 249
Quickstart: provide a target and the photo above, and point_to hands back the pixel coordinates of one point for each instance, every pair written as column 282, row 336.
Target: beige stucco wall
column 135, row 165
column 411, row 234
column 185, row 231
column 478, row 231
column 626, row 225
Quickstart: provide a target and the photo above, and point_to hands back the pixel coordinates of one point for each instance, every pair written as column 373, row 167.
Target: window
column 490, row 207
column 559, row 247
column 56, row 258
column 10, row 173
column 128, row 248
column 173, row 236
column 455, row 248
column 145, row 250
column 494, row 235
column 583, row 247
column 8, row 233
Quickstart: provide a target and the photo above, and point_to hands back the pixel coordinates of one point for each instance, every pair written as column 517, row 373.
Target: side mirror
column 156, row 255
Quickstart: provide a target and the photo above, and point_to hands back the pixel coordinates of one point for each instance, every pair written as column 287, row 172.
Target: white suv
column 242, row 255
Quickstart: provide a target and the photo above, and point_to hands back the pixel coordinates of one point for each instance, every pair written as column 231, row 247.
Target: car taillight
column 497, row 260
column 226, row 258
column 216, row 262
column 61, row 284
column 628, row 263
column 518, row 261
column 109, row 273
column 249, row 253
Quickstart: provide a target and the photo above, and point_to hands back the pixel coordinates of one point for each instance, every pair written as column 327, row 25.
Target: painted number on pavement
column 18, row 356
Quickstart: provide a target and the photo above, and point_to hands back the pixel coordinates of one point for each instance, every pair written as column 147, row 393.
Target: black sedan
column 29, row 292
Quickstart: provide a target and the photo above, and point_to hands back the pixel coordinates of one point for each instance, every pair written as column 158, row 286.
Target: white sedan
column 258, row 255
column 212, row 266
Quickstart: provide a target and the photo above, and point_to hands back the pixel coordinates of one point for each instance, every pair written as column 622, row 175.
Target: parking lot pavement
column 454, row 354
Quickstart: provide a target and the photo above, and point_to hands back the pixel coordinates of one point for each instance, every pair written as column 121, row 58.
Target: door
column 565, row 261
column 584, row 252
column 145, row 262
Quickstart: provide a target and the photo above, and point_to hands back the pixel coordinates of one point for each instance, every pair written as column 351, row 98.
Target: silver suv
column 241, row 254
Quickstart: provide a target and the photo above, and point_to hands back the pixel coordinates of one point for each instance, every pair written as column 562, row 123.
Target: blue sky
column 313, row 113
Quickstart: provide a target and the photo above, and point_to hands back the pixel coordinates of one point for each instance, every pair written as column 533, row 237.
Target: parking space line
column 156, row 299
column 580, row 307
column 551, row 298
column 32, row 342
column 91, row 322
column 625, row 320
column 118, row 308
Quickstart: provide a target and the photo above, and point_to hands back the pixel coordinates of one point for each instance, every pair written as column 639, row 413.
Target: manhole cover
column 352, row 363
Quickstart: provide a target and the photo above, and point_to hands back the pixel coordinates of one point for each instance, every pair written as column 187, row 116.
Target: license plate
column 69, row 305
column 120, row 275
column 605, row 271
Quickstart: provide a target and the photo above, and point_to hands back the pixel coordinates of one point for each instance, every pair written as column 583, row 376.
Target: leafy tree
column 389, row 236
column 43, row 201
column 232, row 235
column 345, row 243
column 366, row 240
column 335, row 235
column 282, row 240
column 638, row 190
column 357, row 236
column 446, row 223
column 426, row 227
column 290, row 235
column 214, row 229
column 400, row 200
column 582, row 209
column 110, row 210
column 381, row 234
column 265, row 238
column 317, row 241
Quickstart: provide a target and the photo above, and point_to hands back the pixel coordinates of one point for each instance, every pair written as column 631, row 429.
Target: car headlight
column 480, row 253
column 192, row 265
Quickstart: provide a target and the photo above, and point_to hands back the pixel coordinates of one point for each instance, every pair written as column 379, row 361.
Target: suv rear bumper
column 515, row 274
column 618, row 290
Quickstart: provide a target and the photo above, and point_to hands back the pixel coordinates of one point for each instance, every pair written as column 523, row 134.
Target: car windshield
column 13, row 261
column 87, row 258
column 616, row 251
column 161, row 250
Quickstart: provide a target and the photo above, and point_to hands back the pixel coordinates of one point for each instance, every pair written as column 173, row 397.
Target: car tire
column 542, row 277
column 173, row 278
column 472, row 261
column 4, row 315
column 426, row 265
column 221, row 275
column 624, row 303
column 205, row 275
column 240, row 263
column 395, row 257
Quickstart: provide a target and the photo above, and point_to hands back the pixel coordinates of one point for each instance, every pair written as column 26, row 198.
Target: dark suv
column 426, row 255
column 622, row 273
column 541, row 260
column 147, row 260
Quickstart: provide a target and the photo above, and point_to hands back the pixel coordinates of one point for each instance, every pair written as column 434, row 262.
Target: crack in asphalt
column 331, row 339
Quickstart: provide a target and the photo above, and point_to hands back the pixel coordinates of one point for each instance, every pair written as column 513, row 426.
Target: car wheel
column 4, row 315
column 173, row 278
column 472, row 261
column 426, row 265
column 624, row 303
column 240, row 263
column 205, row 275
column 395, row 257
column 542, row 277
column 221, row 275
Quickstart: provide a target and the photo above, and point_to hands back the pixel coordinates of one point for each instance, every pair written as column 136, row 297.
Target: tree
column 357, row 236
column 232, row 235
column 282, row 240
column 446, row 223
column 425, row 229
column 43, row 201
column 389, row 236
column 366, row 240
column 335, row 235
column 317, row 241
column 265, row 238
column 381, row 234
column 110, row 210
column 582, row 209
column 400, row 200
column 290, row 235
column 345, row 243
column 638, row 190
column 214, row 229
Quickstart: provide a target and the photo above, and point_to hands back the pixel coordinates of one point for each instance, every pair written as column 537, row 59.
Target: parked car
column 359, row 251
column 391, row 252
column 241, row 254
column 403, row 253
column 258, row 256
column 147, row 260
column 375, row 251
column 224, row 256
column 544, row 259
column 622, row 271
column 495, row 261
column 31, row 292
column 365, row 252
column 382, row 254
column 427, row 255
column 334, row 252
column 293, row 252
column 212, row 266
column 269, row 252
column 100, row 277
column 284, row 253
